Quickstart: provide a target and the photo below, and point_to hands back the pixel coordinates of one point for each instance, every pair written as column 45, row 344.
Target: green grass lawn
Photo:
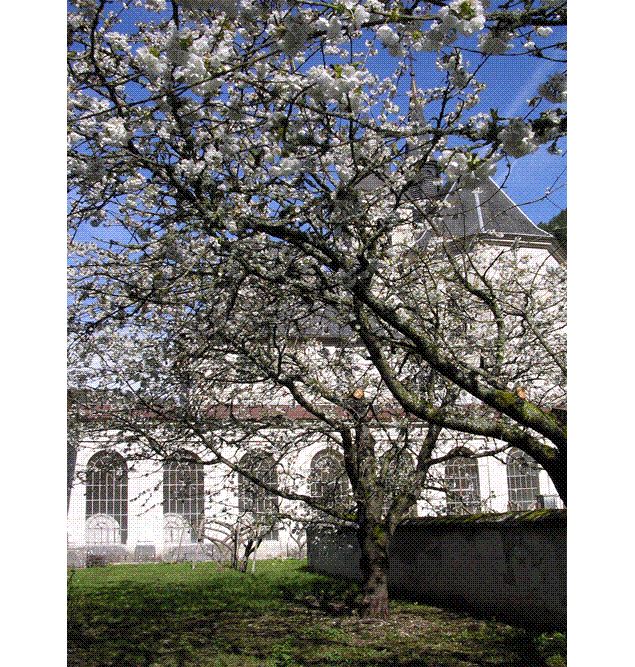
column 169, row 615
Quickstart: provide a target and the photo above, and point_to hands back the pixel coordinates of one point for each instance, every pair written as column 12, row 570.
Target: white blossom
column 453, row 64
column 155, row 5
column 496, row 42
column 213, row 157
column 115, row 132
column 118, row 40
column 360, row 16
column 479, row 123
column 466, row 16
column 433, row 39
column 471, row 169
column 386, row 35
column 554, row 88
column 335, row 84
column 334, row 30
column 517, row 139
column 296, row 32
column 321, row 24
column 287, row 167
column 229, row 7
column 177, row 47
column 189, row 168
column 375, row 6
column 390, row 39
column 151, row 65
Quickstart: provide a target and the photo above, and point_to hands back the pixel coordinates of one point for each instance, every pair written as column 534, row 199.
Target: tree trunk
column 373, row 541
column 253, row 562
column 245, row 561
column 557, row 471
column 234, row 563
column 71, row 462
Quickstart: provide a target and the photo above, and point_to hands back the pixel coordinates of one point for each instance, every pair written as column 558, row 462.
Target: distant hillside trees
column 557, row 226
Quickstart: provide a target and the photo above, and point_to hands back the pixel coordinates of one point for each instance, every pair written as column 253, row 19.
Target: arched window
column 462, row 483
column 106, row 499
column 260, row 504
column 183, row 499
column 399, row 479
column 327, row 479
column 177, row 530
column 522, row 481
column 102, row 529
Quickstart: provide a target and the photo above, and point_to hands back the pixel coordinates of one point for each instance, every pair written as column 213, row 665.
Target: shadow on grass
column 284, row 616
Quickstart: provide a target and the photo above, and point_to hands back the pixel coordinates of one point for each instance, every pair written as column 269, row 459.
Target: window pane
column 522, row 481
column 463, row 487
column 183, row 499
column 260, row 504
column 107, row 499
column 327, row 479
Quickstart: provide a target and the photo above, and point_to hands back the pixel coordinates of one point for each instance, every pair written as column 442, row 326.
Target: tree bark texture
column 557, row 471
column 373, row 541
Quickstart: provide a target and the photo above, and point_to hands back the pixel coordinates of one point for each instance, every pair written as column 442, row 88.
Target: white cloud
column 529, row 88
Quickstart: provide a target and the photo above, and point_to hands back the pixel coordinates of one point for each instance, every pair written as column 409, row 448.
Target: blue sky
column 533, row 174
column 511, row 81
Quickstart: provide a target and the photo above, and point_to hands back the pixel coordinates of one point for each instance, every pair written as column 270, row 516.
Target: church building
column 136, row 510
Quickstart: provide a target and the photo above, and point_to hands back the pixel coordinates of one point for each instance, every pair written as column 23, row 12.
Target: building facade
column 125, row 508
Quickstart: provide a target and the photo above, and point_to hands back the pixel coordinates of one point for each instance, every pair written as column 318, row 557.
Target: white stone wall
column 145, row 498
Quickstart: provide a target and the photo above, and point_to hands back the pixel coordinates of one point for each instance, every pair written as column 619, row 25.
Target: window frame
column 466, row 468
column 107, row 491
column 340, row 487
column 530, row 481
column 190, row 506
column 250, row 493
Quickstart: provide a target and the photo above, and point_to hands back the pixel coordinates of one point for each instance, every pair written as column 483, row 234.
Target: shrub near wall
column 511, row 566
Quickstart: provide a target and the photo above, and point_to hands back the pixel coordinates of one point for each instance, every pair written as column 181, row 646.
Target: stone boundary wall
column 79, row 557
column 508, row 566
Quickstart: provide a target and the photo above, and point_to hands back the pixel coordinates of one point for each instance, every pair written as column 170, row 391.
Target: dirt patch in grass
column 283, row 616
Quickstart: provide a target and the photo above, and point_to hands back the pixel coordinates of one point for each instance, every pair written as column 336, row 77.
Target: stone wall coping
column 550, row 517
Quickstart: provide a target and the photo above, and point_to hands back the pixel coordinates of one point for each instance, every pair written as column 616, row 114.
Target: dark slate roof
column 487, row 210
column 370, row 183
column 324, row 324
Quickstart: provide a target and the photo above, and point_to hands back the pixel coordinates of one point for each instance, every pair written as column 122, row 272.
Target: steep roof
column 324, row 324
column 487, row 210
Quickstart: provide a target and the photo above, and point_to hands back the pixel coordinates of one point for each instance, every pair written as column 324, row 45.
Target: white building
column 141, row 509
